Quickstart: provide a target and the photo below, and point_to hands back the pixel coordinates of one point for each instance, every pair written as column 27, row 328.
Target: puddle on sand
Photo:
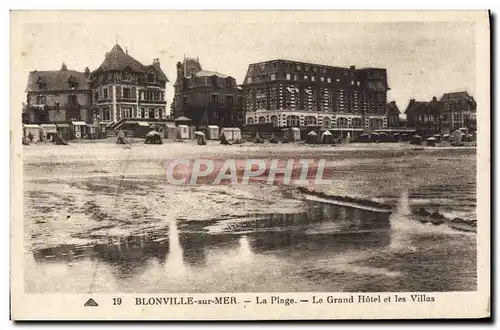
column 189, row 242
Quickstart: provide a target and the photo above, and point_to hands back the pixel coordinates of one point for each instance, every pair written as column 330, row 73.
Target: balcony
column 152, row 102
column 126, row 100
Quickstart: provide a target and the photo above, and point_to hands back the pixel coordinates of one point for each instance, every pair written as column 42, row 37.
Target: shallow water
column 106, row 233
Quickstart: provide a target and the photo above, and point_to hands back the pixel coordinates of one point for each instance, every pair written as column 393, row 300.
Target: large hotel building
column 290, row 93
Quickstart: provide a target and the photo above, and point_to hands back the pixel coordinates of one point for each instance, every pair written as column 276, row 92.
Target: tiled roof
column 56, row 80
column 119, row 60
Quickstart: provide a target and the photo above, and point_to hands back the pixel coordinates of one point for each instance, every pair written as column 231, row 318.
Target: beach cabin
column 79, row 129
column 231, row 133
column 35, row 131
column 183, row 131
column 212, row 132
column 64, row 131
column 292, row 134
column 170, row 131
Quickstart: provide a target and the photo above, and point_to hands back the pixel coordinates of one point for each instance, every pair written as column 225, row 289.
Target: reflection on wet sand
column 320, row 226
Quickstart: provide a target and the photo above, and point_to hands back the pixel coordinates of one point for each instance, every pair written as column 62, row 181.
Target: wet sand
column 102, row 218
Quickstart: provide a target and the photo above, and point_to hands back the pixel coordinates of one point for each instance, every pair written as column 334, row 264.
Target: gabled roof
column 119, row 60
column 392, row 108
column 57, row 80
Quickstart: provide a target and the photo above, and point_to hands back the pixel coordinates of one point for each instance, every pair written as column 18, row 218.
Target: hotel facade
column 290, row 93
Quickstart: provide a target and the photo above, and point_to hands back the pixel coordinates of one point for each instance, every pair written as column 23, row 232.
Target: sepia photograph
column 158, row 155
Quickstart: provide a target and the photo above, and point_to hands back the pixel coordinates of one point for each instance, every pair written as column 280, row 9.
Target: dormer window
column 229, row 83
column 151, row 77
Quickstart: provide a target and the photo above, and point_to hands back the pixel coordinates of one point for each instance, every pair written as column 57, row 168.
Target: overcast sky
column 423, row 59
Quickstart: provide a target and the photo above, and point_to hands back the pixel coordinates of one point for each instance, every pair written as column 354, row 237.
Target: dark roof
column 433, row 107
column 119, row 60
column 56, row 80
column 392, row 108
column 455, row 96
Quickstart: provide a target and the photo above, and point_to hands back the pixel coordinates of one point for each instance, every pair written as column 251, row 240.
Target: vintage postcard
column 250, row 165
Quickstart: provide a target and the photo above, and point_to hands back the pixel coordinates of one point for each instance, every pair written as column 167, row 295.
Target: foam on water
column 404, row 225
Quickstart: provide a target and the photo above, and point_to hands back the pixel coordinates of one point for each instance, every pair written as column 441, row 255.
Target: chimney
column 87, row 72
column 64, row 67
column 352, row 67
column 156, row 62
column 434, row 99
column 412, row 100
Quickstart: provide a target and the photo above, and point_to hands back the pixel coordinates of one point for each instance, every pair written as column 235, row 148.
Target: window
column 126, row 93
column 306, row 68
column 249, row 80
column 96, row 96
column 322, row 79
column 230, row 100
column 127, row 113
column 306, row 77
column 289, row 65
column 294, row 77
column 40, row 99
column 185, row 100
column 105, row 92
column 72, row 100
column 107, row 114
column 151, row 77
column 275, row 65
column 151, row 113
column 57, row 105
column 314, row 69
column 357, row 83
column 313, row 78
column 353, row 82
column 73, row 85
column 288, row 76
column 337, row 80
column 229, row 83
column 143, row 113
column 298, row 67
column 215, row 98
column 328, row 80
column 160, row 113
column 273, row 76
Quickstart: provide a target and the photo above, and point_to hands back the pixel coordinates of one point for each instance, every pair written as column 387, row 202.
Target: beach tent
column 183, row 131
column 231, row 133
column 200, row 137
column 327, row 137
column 45, row 129
column 153, row 137
column 312, row 138
column 212, row 132
column 32, row 131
